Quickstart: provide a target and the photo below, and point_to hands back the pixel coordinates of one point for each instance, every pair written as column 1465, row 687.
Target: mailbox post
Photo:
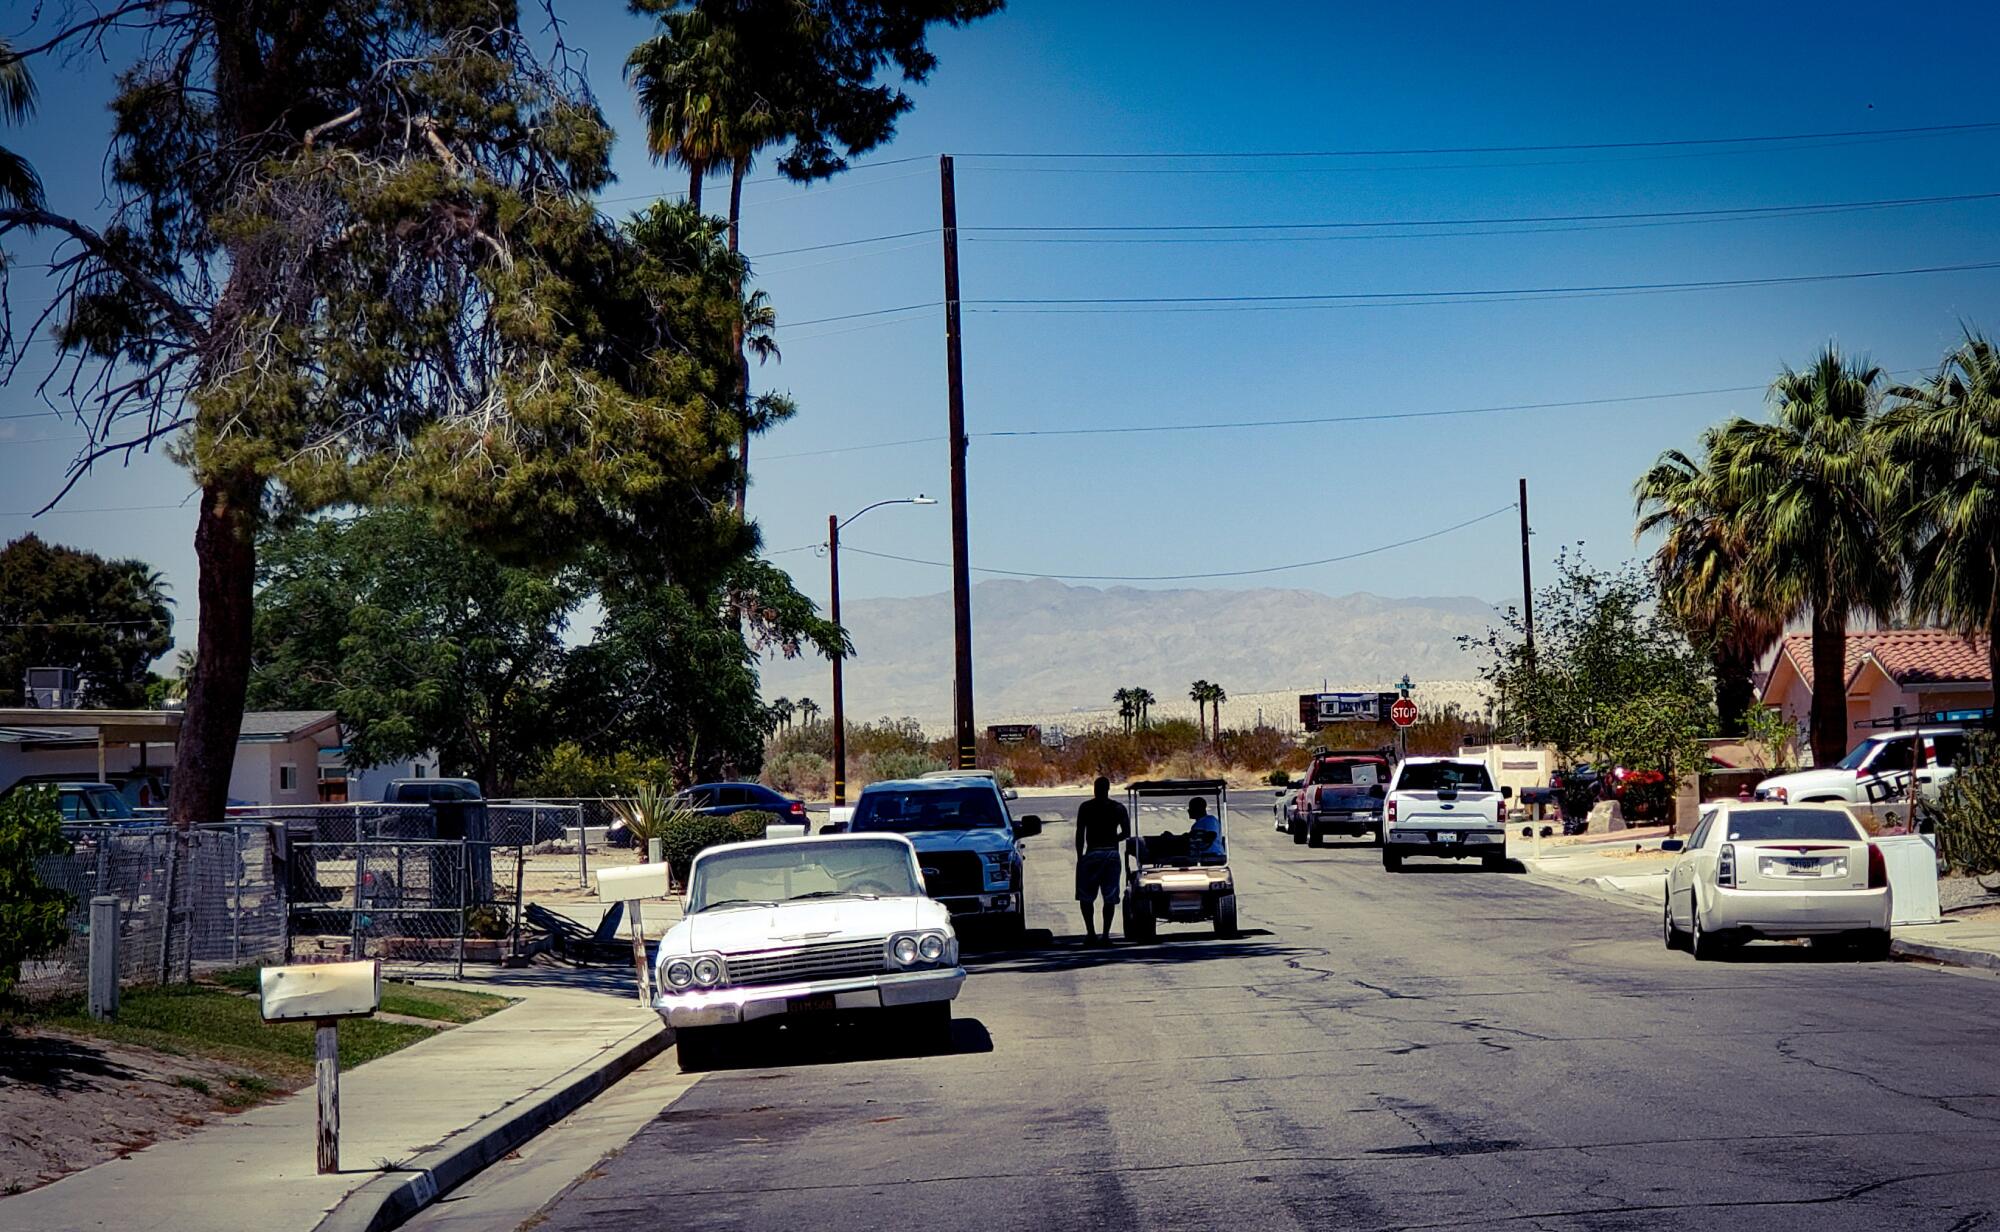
column 630, row 885
column 324, row 993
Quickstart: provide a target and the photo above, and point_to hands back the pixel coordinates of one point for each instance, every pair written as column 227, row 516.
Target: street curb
column 1950, row 955
column 393, row 1198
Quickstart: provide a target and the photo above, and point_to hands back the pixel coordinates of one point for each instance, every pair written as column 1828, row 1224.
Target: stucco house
column 1889, row 672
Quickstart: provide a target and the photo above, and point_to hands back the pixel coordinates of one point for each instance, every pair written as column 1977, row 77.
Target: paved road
column 1441, row 1049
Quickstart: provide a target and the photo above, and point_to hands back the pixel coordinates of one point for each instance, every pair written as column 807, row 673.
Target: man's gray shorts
column 1098, row 872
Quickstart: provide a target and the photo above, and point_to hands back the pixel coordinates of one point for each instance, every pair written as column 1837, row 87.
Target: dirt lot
column 68, row 1102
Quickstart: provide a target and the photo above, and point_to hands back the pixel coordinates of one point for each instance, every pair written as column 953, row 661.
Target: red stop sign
column 1403, row 713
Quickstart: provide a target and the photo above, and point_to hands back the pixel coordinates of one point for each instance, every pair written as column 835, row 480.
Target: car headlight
column 904, row 950
column 931, row 947
column 680, row 973
column 928, row 948
column 707, row 972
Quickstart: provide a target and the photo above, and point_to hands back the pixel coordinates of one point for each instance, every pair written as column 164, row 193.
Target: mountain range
column 1043, row 649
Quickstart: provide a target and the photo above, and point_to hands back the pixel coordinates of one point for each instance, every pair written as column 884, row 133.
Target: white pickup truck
column 1444, row 806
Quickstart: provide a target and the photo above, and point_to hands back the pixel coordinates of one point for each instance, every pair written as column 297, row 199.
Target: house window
column 288, row 778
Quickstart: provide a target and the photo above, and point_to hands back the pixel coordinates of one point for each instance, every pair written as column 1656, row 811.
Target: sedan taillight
column 798, row 809
column 1878, row 868
column 1725, row 866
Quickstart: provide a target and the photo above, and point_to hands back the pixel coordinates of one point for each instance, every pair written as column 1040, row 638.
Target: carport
column 112, row 727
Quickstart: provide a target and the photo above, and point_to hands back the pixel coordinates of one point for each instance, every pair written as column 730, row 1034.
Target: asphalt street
column 1444, row 1048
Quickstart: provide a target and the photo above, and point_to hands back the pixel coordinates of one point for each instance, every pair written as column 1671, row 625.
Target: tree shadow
column 56, row 1063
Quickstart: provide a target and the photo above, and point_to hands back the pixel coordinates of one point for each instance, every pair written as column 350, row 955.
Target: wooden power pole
column 961, row 570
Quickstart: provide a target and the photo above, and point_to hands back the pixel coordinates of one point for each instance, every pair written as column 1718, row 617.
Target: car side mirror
column 1671, row 844
column 834, row 827
column 1506, row 793
column 1027, row 827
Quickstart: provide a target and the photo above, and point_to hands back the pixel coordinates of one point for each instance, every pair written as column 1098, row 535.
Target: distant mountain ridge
column 1043, row 647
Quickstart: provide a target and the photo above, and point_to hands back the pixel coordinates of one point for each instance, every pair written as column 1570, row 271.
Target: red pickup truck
column 1341, row 794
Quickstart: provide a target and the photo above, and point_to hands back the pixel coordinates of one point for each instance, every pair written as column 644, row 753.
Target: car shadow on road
column 1461, row 868
column 841, row 1040
column 1074, row 953
column 1791, row 953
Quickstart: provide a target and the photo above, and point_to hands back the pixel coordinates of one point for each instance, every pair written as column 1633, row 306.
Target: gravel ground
column 1966, row 893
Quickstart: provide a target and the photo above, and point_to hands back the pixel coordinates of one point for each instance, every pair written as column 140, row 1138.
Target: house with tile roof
column 1889, row 672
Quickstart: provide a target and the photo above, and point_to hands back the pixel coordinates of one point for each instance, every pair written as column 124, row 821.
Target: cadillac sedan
column 1776, row 871
column 806, row 926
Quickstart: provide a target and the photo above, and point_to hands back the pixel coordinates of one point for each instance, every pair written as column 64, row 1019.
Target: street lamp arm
column 918, row 499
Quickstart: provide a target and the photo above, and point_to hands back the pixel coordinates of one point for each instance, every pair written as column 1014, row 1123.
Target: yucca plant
column 647, row 814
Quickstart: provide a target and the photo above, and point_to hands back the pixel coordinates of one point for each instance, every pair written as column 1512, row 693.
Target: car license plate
column 1446, row 837
column 816, row 1003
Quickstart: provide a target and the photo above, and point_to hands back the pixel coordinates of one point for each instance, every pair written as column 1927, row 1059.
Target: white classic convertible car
column 805, row 926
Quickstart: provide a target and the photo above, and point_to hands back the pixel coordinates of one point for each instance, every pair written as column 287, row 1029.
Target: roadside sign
column 1317, row 710
column 1015, row 733
column 1403, row 713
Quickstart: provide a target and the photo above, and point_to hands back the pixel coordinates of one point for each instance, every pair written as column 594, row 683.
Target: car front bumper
column 723, row 1006
column 1796, row 913
column 998, row 902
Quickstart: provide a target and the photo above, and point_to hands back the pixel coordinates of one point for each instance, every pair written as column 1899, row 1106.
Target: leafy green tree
column 351, row 258
column 34, row 918
column 421, row 642
column 1705, row 572
column 1943, row 438
column 64, row 607
column 1613, row 676
column 1816, row 500
column 569, row 771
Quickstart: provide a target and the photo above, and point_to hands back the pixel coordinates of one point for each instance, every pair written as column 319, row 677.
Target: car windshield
column 948, row 808
column 1860, row 754
column 1779, row 825
column 1439, row 775
column 771, row 873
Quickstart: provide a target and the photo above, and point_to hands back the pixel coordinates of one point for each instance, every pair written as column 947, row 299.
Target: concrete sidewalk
column 1637, row 879
column 411, row 1123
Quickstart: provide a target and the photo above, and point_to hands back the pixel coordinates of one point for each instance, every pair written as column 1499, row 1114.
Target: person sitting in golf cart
column 1204, row 834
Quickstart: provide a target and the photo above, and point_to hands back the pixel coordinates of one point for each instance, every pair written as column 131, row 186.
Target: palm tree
column 1705, row 575
column 781, row 710
column 1216, row 696
column 1128, row 707
column 20, row 187
column 1198, row 694
column 1142, row 701
column 1814, row 493
column 1943, row 440
column 808, row 710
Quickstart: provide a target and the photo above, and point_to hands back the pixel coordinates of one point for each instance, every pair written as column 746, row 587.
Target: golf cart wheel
column 1392, row 860
column 1139, row 923
column 698, row 1048
column 1225, row 916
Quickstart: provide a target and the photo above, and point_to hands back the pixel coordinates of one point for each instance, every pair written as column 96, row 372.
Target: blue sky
column 1048, row 77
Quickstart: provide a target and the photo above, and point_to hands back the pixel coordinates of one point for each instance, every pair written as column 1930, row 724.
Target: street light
column 833, row 524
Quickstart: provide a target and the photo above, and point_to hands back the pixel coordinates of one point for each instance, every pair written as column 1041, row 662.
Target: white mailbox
column 322, row 991
column 634, row 881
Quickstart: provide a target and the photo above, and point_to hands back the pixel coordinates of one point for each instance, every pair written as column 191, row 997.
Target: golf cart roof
column 1176, row 787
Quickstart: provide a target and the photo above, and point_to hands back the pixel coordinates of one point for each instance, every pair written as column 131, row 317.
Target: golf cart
column 1169, row 874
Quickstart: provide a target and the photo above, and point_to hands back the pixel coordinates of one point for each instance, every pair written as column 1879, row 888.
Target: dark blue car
column 722, row 799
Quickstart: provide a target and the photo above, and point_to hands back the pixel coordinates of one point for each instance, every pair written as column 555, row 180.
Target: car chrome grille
column 808, row 962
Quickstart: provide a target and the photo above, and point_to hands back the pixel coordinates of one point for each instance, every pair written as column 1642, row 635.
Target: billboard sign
column 1316, row 710
column 1015, row 733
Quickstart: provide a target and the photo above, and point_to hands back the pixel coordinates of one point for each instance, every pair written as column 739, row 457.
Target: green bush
column 1968, row 827
column 570, row 773
column 686, row 835
column 896, row 764
column 799, row 772
column 34, row 918
column 1280, row 777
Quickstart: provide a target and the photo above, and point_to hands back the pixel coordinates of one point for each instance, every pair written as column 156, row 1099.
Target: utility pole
column 1528, row 606
column 839, row 703
column 961, row 570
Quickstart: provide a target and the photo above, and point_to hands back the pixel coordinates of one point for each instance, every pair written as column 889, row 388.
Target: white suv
column 1877, row 771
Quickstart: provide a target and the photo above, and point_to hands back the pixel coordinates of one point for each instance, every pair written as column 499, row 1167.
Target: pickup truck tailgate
column 1473, row 810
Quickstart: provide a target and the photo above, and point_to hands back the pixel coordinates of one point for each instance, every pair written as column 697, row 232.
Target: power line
column 1509, row 507
column 855, row 316
column 1494, row 295
column 1384, row 152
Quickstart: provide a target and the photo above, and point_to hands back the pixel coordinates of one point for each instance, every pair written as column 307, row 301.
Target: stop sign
column 1403, row 713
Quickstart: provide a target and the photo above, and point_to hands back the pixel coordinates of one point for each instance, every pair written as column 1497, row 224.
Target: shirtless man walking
column 1102, row 824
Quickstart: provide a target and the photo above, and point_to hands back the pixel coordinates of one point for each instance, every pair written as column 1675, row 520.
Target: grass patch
column 213, row 1022
column 399, row 997
column 197, row 1085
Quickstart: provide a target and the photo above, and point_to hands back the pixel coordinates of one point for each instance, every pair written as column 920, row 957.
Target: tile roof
column 1910, row 656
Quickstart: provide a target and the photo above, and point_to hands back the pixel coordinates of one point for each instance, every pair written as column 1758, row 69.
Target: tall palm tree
column 1815, row 493
column 782, row 710
column 1216, row 696
column 1198, row 694
column 808, row 710
column 1705, row 575
column 1943, row 441
column 1128, row 707
column 1142, row 700
column 20, row 187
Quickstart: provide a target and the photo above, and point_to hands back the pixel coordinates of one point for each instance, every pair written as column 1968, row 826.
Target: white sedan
column 806, row 926
column 1776, row 871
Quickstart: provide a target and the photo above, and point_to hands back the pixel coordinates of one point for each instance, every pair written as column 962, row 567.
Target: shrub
column 895, row 764
column 1968, row 827
column 686, row 835
column 799, row 773
column 34, row 918
column 1279, row 777
column 646, row 815
column 570, row 773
